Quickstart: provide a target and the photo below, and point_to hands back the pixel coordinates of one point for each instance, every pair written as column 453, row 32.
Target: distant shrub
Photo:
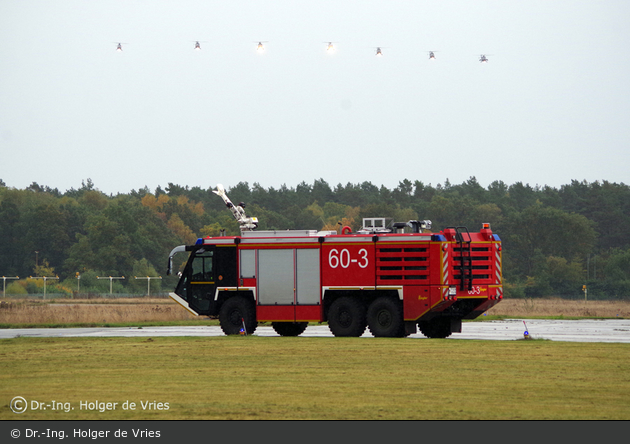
column 16, row 288
column 513, row 291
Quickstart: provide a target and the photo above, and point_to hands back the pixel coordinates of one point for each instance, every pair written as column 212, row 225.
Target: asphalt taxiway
column 609, row 330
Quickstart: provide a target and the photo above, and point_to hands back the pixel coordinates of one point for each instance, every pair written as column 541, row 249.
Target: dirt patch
column 58, row 313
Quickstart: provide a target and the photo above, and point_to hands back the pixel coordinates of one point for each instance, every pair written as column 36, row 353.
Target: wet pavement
column 612, row 330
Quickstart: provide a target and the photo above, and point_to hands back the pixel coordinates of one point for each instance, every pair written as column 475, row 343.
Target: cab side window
column 202, row 268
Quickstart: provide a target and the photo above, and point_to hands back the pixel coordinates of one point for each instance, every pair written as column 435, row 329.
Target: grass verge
column 273, row 378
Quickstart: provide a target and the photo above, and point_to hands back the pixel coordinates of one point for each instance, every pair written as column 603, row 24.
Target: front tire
column 347, row 317
column 436, row 328
column 289, row 328
column 385, row 318
column 236, row 311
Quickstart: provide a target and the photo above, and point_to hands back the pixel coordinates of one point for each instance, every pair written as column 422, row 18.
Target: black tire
column 289, row 328
column 236, row 310
column 347, row 317
column 436, row 328
column 385, row 318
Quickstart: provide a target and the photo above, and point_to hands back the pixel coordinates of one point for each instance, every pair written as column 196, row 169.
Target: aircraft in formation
column 330, row 47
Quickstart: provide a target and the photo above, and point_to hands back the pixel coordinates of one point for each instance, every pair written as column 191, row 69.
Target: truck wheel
column 385, row 318
column 436, row 328
column 347, row 317
column 289, row 328
column 234, row 311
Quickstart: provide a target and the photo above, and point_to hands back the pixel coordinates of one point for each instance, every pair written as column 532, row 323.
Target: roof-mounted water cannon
column 372, row 225
column 238, row 211
column 418, row 225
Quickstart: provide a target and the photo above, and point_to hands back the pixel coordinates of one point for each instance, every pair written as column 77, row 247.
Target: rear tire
column 289, row 328
column 385, row 318
column 347, row 317
column 236, row 311
column 436, row 328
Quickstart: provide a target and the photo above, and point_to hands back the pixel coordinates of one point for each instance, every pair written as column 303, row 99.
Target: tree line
column 555, row 240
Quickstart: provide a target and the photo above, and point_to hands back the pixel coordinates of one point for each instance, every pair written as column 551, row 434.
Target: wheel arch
column 223, row 295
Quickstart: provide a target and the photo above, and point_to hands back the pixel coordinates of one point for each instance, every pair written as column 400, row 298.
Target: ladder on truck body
column 465, row 258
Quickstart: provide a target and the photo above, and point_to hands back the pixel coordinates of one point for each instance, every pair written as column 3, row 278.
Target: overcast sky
column 552, row 104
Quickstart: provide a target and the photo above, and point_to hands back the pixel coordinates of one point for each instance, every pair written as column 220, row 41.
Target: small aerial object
column 483, row 58
column 198, row 44
column 119, row 47
column 330, row 47
column 378, row 51
column 432, row 55
column 260, row 47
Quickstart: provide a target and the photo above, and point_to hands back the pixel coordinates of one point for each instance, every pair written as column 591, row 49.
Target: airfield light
column 148, row 278
column 111, row 279
column 4, row 284
column 45, row 278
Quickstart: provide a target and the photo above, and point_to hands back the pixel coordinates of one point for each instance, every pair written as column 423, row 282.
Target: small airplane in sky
column 330, row 47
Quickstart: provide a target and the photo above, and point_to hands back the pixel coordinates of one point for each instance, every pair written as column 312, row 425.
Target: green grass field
column 283, row 378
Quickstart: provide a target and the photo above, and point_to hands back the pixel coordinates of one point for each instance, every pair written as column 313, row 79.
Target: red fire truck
column 391, row 278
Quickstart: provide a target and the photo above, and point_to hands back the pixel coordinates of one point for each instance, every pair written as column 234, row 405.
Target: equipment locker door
column 288, row 281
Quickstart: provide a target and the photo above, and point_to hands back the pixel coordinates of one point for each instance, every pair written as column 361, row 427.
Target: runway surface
column 506, row 330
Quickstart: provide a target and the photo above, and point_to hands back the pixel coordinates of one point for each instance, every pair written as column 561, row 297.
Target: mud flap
column 456, row 325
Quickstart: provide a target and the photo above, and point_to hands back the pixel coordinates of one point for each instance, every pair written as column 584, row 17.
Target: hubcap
column 345, row 318
column 384, row 318
column 235, row 317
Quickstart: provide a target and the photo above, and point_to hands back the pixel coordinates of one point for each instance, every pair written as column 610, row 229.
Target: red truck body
column 389, row 280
